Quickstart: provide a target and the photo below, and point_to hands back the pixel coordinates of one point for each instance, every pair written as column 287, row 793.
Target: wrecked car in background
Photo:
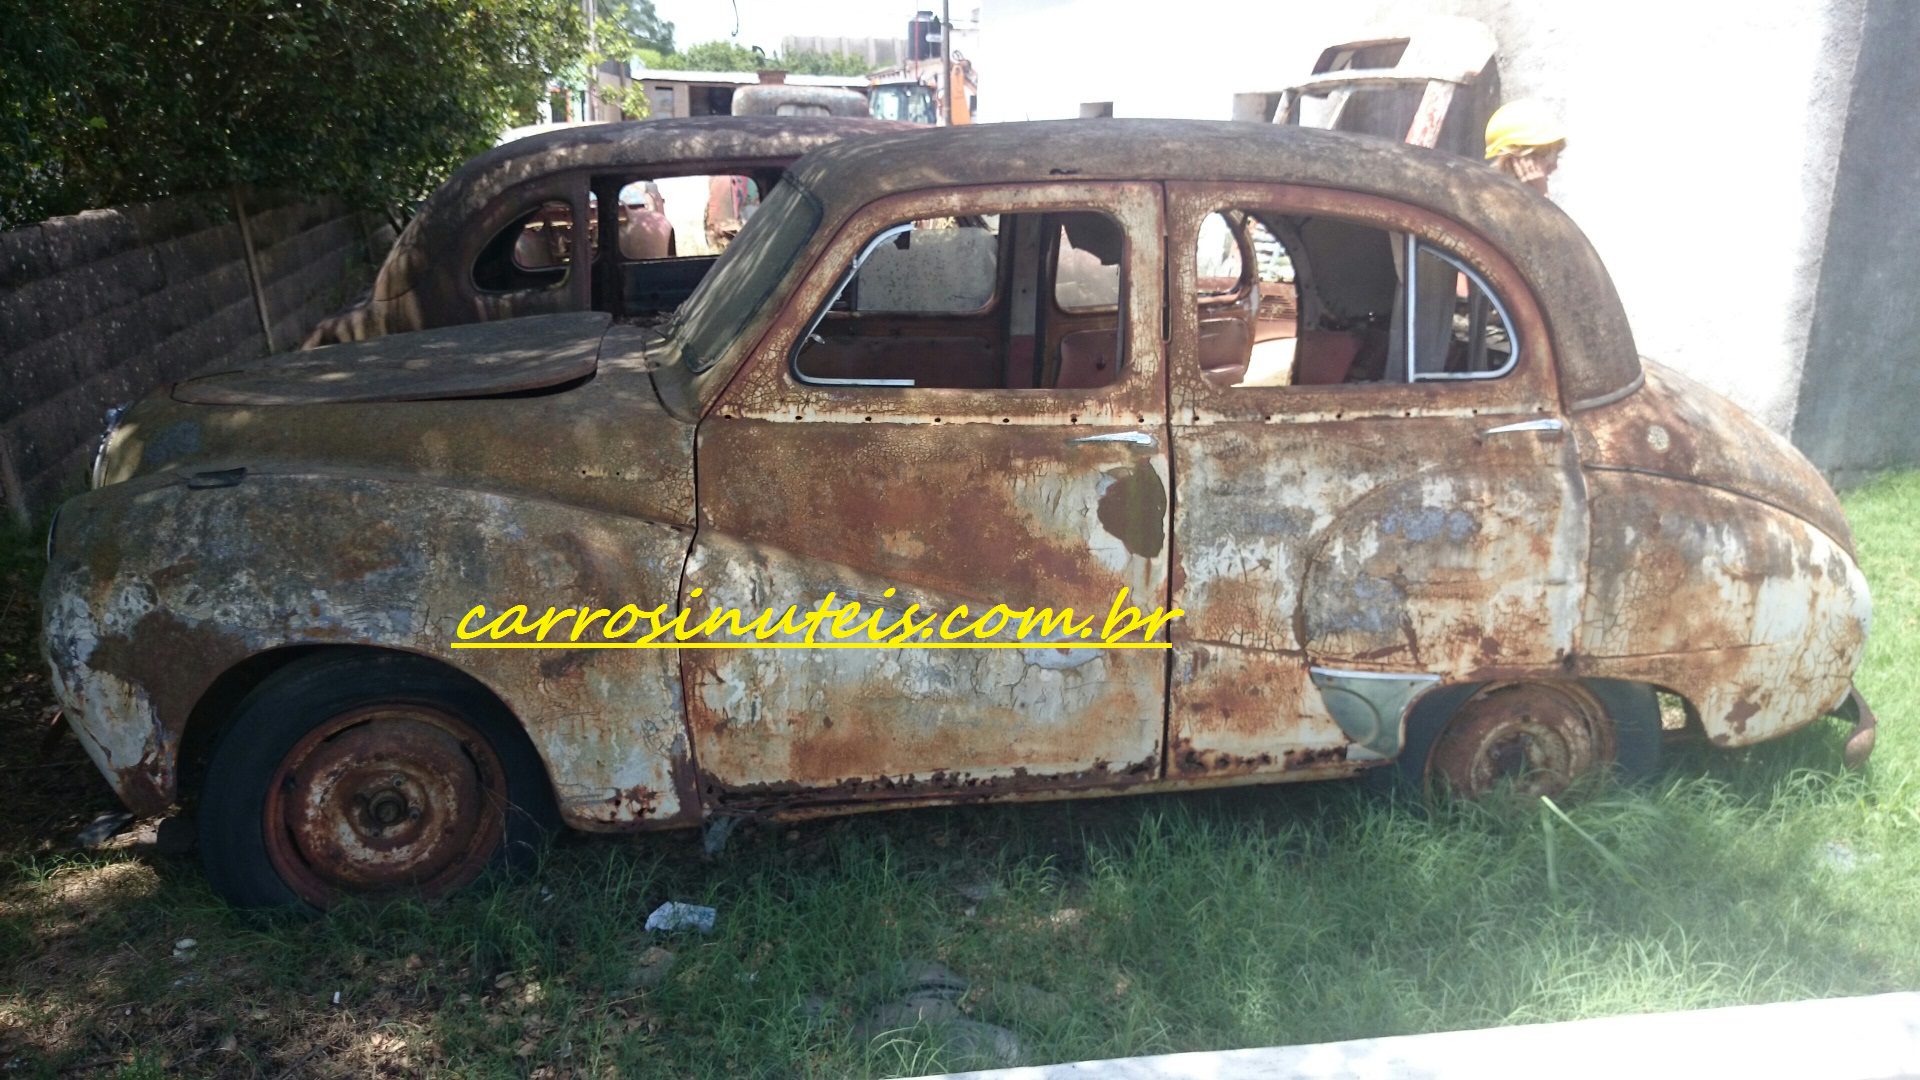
column 497, row 239
column 1371, row 418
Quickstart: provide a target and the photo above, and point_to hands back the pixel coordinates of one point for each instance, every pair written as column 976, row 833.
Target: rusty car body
column 1466, row 564
column 456, row 261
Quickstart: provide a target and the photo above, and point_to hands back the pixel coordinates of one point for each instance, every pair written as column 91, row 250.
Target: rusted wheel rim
column 383, row 799
column 1536, row 736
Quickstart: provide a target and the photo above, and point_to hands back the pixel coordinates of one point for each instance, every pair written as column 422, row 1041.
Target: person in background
column 1524, row 140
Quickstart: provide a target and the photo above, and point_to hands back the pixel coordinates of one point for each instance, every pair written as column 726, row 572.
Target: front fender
column 160, row 585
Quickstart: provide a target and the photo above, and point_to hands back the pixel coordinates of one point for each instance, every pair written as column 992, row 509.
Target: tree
column 820, row 63
column 112, row 101
column 716, row 56
column 627, row 30
column 727, row 56
column 638, row 27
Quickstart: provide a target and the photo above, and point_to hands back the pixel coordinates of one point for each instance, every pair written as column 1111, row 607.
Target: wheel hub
column 383, row 799
column 1536, row 737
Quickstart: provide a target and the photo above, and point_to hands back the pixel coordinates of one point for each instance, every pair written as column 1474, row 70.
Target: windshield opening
column 740, row 283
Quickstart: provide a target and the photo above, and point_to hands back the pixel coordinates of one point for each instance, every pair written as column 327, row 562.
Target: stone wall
column 98, row 308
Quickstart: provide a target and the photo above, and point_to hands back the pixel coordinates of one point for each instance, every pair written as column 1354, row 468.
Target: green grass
column 1109, row 927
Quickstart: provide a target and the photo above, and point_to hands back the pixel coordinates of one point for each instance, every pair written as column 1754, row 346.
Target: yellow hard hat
column 1520, row 124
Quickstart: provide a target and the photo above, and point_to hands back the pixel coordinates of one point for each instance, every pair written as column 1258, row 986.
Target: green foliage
column 727, row 56
column 626, row 27
column 717, row 56
column 105, row 102
column 820, row 63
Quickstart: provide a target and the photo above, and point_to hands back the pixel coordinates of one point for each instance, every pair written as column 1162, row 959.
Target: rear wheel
column 367, row 775
column 1536, row 738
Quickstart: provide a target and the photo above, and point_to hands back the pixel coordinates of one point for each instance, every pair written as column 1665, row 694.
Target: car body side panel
column 1673, row 426
column 1753, row 615
column 1047, row 498
column 178, row 583
column 1374, row 528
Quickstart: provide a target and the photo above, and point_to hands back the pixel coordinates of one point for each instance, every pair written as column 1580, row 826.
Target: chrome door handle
column 1549, row 424
column 1138, row 438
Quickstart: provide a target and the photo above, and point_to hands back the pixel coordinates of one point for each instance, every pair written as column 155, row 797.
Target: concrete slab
column 1835, row 1039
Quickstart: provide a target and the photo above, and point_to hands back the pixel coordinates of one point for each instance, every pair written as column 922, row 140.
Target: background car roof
column 1592, row 340
column 640, row 144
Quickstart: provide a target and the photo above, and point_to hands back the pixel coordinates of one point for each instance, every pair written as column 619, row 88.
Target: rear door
column 1381, row 501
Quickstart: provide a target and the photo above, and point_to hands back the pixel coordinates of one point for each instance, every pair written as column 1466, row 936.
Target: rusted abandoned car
column 497, row 239
column 1369, row 417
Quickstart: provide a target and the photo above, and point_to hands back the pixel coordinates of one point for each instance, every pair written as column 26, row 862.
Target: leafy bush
column 106, row 102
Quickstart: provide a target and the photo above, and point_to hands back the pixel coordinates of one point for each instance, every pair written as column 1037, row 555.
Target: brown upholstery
column 1226, row 345
column 1088, row 358
column 1324, row 357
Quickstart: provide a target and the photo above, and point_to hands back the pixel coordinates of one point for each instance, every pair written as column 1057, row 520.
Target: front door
column 1376, row 497
column 963, row 406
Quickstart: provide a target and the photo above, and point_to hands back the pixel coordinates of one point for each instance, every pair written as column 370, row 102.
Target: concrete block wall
column 98, row 308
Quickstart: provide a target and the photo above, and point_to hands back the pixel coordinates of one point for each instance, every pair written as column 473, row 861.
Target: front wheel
column 367, row 775
column 1537, row 738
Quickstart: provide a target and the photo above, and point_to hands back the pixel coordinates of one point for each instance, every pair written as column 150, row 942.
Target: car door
column 914, row 447
column 1348, row 534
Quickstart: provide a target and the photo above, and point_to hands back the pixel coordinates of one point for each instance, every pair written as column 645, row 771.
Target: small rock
column 1840, row 857
column 713, row 839
column 961, row 1044
column 980, row 891
column 674, row 915
column 183, row 949
column 914, row 977
column 651, row 969
column 102, row 828
column 899, row 1015
column 1022, row 1003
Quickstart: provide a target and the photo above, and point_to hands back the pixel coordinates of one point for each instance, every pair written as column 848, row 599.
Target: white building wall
column 1702, row 149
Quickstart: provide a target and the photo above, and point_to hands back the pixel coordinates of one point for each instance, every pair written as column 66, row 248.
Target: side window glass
column 1337, row 302
column 1004, row 301
column 1218, row 260
column 947, row 266
column 1087, row 262
column 1459, row 328
column 532, row 252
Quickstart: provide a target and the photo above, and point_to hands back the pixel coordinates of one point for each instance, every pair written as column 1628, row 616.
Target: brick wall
column 99, row 308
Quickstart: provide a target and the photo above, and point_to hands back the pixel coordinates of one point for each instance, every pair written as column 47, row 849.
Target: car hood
column 1673, row 426
column 480, row 360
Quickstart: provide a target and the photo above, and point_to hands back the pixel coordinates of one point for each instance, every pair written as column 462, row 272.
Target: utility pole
column 946, row 63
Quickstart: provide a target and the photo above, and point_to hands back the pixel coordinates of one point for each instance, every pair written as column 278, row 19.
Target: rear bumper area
column 1859, row 746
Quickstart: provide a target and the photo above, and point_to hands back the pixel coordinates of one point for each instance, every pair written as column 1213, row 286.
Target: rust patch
column 948, row 786
column 1134, row 509
column 1313, row 758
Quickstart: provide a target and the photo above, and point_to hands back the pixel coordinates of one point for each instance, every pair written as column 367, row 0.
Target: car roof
column 635, row 144
column 442, row 222
column 1591, row 338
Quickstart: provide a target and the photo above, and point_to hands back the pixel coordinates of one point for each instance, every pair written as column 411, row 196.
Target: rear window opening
column 666, row 233
column 1291, row 300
